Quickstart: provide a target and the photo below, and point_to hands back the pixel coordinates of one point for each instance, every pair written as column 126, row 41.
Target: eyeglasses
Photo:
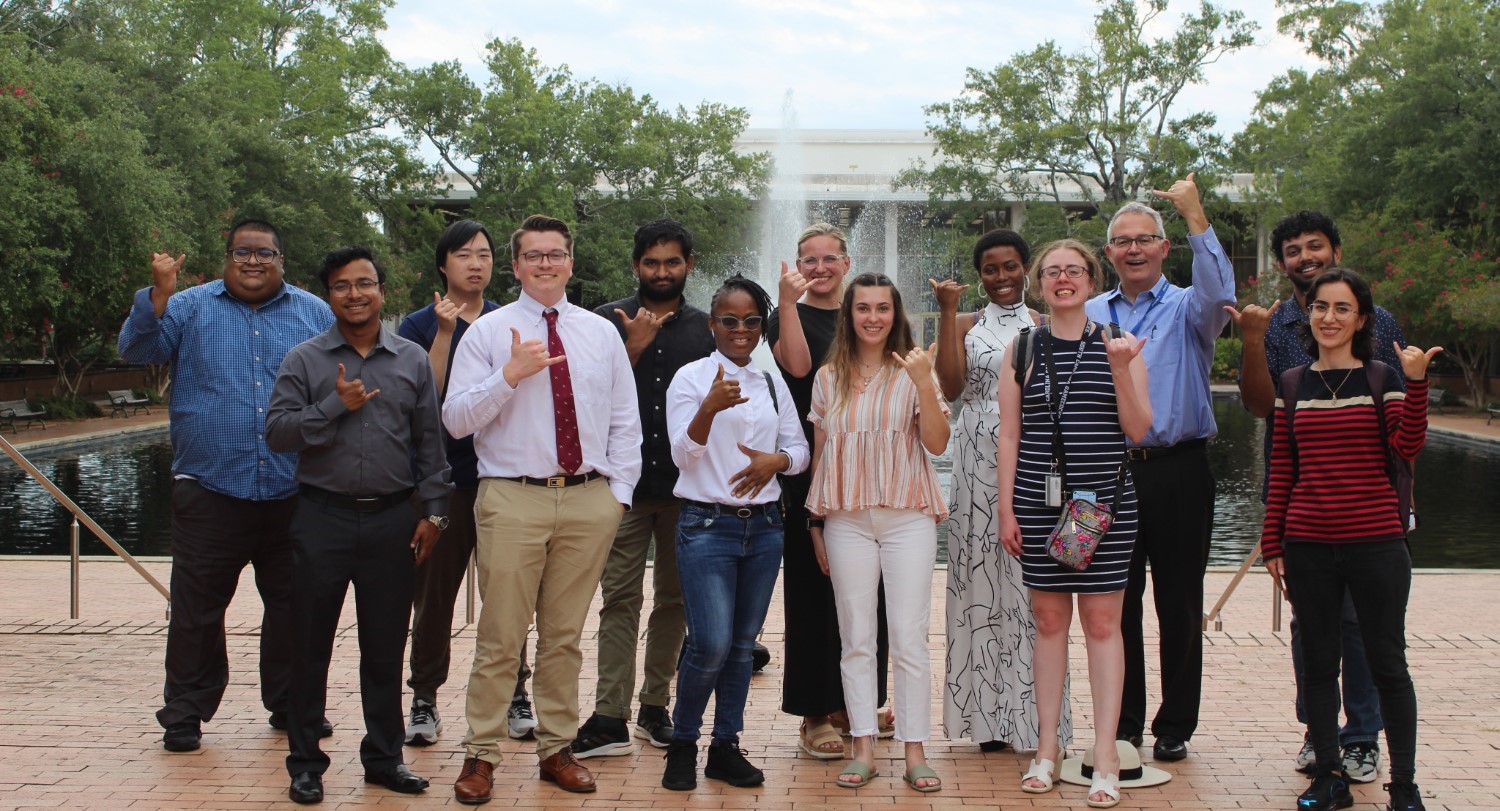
column 539, row 258
column 1341, row 311
column 1143, row 241
column 264, row 256
column 1072, row 271
column 363, row 286
column 729, row 322
column 810, row 262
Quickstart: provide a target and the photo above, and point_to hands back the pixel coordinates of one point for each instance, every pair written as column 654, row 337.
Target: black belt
column 747, row 511
column 1163, row 451
column 359, row 504
column 556, row 481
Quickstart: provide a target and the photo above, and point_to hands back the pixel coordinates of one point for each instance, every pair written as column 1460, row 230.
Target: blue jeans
column 1362, row 722
column 729, row 565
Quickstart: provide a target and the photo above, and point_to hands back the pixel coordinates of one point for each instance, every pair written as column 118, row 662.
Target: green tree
column 535, row 139
column 1103, row 125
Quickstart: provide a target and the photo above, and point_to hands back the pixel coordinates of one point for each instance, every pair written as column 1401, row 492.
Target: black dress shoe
column 279, row 721
column 398, row 778
column 1135, row 740
column 182, row 737
column 307, row 788
column 992, row 746
column 1169, row 748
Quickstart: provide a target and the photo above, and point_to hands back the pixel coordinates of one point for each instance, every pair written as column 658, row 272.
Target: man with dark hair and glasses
column 546, row 390
column 662, row 333
column 232, row 496
column 1304, row 245
column 359, row 406
column 1174, row 486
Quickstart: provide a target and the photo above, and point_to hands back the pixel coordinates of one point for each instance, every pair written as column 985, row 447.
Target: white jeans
column 900, row 545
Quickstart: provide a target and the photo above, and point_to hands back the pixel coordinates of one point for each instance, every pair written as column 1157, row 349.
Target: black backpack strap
column 771, row 384
column 1115, row 331
column 1021, row 359
column 1375, row 378
column 1291, row 381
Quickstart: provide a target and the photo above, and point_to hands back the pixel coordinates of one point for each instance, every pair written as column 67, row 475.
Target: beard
column 671, row 292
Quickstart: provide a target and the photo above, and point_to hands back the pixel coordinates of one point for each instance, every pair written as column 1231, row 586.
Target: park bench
column 122, row 400
column 12, row 411
column 1435, row 397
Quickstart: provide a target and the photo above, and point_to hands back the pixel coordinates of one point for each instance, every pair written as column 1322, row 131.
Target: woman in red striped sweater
column 1333, row 523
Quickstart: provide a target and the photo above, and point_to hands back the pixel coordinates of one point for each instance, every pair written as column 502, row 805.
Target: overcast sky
column 850, row 63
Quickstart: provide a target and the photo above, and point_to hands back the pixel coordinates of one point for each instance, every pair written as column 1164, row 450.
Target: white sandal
column 1109, row 784
column 1043, row 770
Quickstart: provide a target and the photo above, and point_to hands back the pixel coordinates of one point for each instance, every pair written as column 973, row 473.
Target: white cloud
column 850, row 63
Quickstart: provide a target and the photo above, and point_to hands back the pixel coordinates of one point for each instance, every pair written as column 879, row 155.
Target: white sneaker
column 1362, row 762
column 425, row 724
column 1307, row 759
column 519, row 720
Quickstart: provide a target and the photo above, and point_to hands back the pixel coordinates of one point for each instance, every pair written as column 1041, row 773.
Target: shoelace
column 522, row 710
column 422, row 714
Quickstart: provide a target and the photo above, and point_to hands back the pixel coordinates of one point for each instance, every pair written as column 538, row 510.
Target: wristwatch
column 439, row 521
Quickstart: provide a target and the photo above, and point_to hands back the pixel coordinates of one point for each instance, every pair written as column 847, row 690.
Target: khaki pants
column 623, row 585
column 540, row 551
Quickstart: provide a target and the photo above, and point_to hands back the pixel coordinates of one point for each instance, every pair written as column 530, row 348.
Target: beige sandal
column 815, row 740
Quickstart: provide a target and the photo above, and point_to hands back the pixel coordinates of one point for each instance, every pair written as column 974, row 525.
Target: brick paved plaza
column 77, row 729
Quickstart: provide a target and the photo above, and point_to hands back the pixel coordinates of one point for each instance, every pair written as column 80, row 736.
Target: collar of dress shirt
column 732, row 369
column 636, row 305
column 1156, row 291
column 223, row 290
column 534, row 310
column 333, row 338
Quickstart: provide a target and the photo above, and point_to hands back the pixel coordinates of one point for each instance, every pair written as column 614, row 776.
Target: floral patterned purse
column 1079, row 529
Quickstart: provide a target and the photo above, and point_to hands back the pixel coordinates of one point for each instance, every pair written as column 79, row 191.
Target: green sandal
column 857, row 768
column 923, row 772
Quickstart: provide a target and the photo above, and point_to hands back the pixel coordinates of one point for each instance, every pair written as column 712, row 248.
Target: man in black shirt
column 662, row 333
column 359, row 407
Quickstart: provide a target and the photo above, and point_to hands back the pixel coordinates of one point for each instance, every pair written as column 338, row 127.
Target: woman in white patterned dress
column 988, row 697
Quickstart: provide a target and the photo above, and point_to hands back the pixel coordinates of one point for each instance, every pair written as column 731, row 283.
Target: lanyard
column 1135, row 330
column 1062, row 402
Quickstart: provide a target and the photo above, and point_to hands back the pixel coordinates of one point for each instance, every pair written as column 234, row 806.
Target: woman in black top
column 800, row 333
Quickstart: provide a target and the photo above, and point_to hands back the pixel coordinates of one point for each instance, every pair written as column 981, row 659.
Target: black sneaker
column 1404, row 796
column 682, row 766
column 602, row 736
column 726, row 761
column 185, row 736
column 654, row 725
column 760, row 656
column 1328, row 790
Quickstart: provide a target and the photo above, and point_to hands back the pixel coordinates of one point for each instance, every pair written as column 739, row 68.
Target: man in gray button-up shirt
column 359, row 406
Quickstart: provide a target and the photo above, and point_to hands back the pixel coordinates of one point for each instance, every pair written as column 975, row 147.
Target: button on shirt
column 759, row 424
column 1181, row 325
column 513, row 428
column 224, row 356
column 392, row 442
column 682, row 339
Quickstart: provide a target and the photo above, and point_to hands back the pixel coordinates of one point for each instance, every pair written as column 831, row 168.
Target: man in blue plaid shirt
column 232, row 497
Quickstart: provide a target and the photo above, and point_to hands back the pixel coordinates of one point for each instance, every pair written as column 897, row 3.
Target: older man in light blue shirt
column 1174, row 485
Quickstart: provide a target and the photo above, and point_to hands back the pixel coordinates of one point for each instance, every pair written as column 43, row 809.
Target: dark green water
column 126, row 487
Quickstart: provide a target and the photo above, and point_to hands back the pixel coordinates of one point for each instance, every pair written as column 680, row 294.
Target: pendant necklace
column 1334, row 390
column 865, row 384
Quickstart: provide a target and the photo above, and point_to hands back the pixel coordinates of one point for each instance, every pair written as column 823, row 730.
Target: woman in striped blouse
column 877, row 414
column 1089, row 390
column 1333, row 523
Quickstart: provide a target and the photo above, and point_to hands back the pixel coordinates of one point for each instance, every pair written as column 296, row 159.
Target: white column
column 892, row 244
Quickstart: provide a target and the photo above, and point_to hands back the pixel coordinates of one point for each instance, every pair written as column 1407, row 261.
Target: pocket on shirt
column 591, row 380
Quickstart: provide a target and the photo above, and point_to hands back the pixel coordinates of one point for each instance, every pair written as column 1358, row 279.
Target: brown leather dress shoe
column 474, row 782
column 565, row 770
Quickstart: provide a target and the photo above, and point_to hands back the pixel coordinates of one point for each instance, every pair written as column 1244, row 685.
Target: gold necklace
column 865, row 384
column 1334, row 391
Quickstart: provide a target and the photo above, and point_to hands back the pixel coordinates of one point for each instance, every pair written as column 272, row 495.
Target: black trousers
column 437, row 585
column 1377, row 577
column 214, row 536
column 812, row 683
column 332, row 548
column 1175, row 494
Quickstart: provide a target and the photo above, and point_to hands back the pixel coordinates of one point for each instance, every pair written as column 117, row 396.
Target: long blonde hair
column 843, row 354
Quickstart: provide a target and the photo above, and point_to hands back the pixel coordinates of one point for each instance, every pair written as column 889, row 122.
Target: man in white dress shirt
column 546, row 390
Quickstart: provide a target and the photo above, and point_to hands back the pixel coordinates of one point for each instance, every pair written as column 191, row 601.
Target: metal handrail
column 1211, row 616
column 79, row 516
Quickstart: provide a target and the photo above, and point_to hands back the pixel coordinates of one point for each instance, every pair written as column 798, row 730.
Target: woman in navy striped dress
column 1095, row 388
column 1333, row 524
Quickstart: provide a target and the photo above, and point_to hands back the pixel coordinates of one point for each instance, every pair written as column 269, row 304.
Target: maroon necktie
column 564, row 416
